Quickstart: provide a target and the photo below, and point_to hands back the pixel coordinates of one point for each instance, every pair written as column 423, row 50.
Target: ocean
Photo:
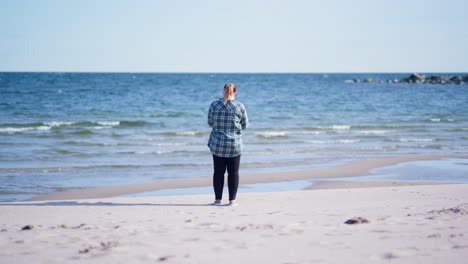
column 75, row 130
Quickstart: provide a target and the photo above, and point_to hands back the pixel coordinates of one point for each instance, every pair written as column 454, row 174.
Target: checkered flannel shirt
column 227, row 122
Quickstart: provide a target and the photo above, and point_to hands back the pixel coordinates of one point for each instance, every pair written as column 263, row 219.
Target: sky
column 234, row 36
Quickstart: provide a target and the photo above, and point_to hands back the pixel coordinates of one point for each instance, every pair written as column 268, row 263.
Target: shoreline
column 351, row 169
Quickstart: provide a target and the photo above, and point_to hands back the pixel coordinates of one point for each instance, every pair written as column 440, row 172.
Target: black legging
column 220, row 165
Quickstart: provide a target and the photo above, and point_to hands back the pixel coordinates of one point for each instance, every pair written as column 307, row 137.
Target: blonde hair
column 229, row 90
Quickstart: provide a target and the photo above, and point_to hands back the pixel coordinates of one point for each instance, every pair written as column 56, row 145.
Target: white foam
column 305, row 132
column 435, row 119
column 417, row 139
column 189, row 133
column 338, row 141
column 11, row 130
column 57, row 124
column 455, row 148
column 341, row 127
column 272, row 134
column 154, row 152
column 171, row 144
column 368, row 132
column 108, row 123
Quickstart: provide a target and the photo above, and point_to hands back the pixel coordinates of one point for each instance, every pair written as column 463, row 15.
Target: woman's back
column 227, row 118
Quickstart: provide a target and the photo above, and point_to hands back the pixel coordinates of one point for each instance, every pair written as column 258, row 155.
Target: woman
column 227, row 117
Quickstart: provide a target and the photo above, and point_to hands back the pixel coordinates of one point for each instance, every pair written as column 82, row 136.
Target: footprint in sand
column 389, row 256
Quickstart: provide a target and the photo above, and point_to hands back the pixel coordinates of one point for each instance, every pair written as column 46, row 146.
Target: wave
column 320, row 130
column 183, row 133
column 374, row 132
column 363, row 128
column 185, row 165
column 458, row 129
column 98, row 167
column 85, row 132
column 272, row 134
column 133, row 123
column 67, row 152
column 422, row 146
column 160, row 152
column 12, row 130
column 53, row 125
column 339, row 141
column 130, row 144
column 108, row 123
column 456, row 148
column 170, row 114
column 441, row 120
column 341, row 127
column 416, row 139
column 123, row 123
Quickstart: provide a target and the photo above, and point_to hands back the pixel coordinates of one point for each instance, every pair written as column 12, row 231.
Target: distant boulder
column 417, row 78
column 435, row 79
column 420, row 78
column 456, row 79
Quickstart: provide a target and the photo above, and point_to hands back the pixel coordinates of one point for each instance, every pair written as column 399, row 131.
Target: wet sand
column 351, row 169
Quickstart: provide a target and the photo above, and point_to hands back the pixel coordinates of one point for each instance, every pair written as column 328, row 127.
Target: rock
column 417, row 78
column 406, row 80
column 435, row 79
column 27, row 227
column 420, row 78
column 357, row 80
column 456, row 79
column 357, row 220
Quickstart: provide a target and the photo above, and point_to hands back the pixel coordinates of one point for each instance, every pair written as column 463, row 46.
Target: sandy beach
column 396, row 222
column 406, row 224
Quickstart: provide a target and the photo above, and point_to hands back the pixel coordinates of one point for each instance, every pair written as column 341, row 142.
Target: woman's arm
column 245, row 119
column 210, row 117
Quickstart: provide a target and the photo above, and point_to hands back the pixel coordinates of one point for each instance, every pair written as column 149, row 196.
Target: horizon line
column 253, row 72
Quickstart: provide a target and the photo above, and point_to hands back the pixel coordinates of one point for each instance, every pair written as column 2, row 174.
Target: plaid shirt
column 227, row 122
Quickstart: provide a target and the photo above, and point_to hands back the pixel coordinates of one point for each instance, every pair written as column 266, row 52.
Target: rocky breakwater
column 421, row 78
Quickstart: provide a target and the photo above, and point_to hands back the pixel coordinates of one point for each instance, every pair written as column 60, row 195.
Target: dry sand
column 407, row 224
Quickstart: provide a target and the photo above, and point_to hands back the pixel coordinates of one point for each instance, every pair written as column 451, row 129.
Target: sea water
column 72, row 130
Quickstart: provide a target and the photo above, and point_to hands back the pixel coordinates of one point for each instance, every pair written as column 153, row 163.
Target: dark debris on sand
column 104, row 246
column 356, row 220
column 27, row 227
column 460, row 209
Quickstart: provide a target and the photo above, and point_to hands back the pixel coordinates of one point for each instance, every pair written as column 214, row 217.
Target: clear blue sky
column 234, row 36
